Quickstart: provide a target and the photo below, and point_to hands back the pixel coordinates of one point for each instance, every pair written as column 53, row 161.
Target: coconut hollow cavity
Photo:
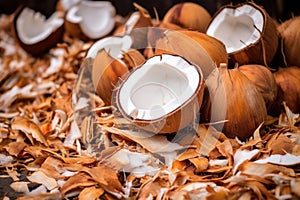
column 33, row 27
column 237, row 28
column 163, row 88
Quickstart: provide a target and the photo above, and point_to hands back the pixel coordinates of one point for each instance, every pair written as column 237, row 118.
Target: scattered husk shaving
column 53, row 147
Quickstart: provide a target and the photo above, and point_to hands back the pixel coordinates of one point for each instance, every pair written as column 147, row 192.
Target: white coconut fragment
column 33, row 27
column 237, row 28
column 139, row 164
column 155, row 90
column 113, row 45
column 284, row 160
column 95, row 18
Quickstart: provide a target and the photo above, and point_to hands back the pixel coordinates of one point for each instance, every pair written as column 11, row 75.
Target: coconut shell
column 288, row 80
column 173, row 121
column 290, row 36
column 106, row 72
column 188, row 15
column 133, row 58
column 41, row 47
column 264, row 81
column 198, row 48
column 235, row 99
column 263, row 50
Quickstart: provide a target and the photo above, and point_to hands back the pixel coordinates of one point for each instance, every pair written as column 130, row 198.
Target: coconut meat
column 96, row 18
column 33, row 27
column 237, row 28
column 160, row 86
column 114, row 45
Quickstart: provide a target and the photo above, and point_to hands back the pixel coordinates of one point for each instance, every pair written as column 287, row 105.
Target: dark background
column 278, row 9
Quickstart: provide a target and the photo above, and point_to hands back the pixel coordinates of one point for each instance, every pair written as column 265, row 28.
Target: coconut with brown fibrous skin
column 112, row 58
column 163, row 95
column 36, row 34
column 264, row 81
column 288, row 80
column 90, row 20
column 290, row 36
column 188, row 15
column 248, row 32
column 233, row 98
column 198, row 48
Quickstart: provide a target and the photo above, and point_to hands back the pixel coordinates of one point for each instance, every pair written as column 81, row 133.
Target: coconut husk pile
column 59, row 140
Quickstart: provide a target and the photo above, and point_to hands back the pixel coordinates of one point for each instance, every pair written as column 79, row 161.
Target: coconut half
column 35, row 33
column 248, row 32
column 90, row 19
column 163, row 95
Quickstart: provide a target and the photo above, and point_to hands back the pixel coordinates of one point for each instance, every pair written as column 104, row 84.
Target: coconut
column 264, row 81
column 188, row 15
column 198, row 48
column 288, row 80
column 237, row 108
column 35, row 33
column 163, row 95
column 290, row 35
column 112, row 58
column 248, row 32
column 90, row 19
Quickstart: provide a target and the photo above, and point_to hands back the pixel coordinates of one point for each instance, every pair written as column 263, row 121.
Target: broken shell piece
column 163, row 95
column 114, row 45
column 90, row 19
column 35, row 33
column 248, row 32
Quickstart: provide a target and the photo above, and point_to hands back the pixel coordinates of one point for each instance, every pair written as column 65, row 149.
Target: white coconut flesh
column 33, row 27
column 158, row 87
column 132, row 20
column 237, row 28
column 96, row 18
column 113, row 45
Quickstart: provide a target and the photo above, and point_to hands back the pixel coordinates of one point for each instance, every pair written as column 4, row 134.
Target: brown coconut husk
column 263, row 50
column 290, row 41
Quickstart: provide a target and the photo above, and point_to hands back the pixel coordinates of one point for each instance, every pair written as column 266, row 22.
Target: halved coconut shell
column 248, row 32
column 35, row 33
column 163, row 95
column 90, row 19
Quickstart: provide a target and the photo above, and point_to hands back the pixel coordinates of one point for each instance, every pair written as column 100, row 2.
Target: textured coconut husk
column 188, row 15
column 173, row 121
column 262, row 51
column 155, row 33
column 106, row 72
column 264, row 81
column 198, row 48
column 236, row 107
column 133, row 58
column 288, row 79
column 290, row 36
column 42, row 46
